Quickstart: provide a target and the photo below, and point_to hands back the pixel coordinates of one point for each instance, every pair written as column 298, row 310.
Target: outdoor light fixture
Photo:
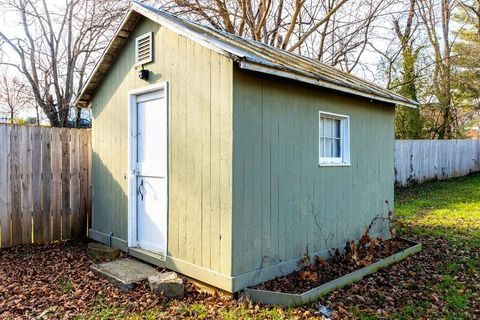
column 143, row 74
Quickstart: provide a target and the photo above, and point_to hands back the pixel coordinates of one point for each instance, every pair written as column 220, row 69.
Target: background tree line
column 427, row 50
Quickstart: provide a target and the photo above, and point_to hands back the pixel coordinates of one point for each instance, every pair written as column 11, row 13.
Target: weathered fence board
column 45, row 184
column 4, row 188
column 37, row 187
column 420, row 160
column 26, row 184
column 65, row 179
column 15, row 193
column 56, row 160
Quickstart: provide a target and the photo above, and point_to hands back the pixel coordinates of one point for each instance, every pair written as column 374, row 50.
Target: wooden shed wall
column 200, row 146
column 284, row 204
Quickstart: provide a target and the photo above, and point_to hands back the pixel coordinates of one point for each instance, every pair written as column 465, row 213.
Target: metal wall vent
column 144, row 49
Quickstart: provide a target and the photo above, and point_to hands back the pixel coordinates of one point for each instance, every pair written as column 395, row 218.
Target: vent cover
column 143, row 49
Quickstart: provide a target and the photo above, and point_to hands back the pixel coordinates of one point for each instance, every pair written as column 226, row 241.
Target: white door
column 151, row 171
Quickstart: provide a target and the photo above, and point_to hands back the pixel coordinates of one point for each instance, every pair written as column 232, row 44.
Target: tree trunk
column 38, row 115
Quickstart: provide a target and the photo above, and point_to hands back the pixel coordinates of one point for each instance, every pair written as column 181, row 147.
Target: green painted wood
column 172, row 64
column 215, row 213
column 225, row 124
column 206, row 161
column 200, row 146
column 284, row 203
column 245, row 143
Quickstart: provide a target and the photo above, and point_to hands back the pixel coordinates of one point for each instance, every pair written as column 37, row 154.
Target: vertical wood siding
column 284, row 204
column 43, row 191
column 420, row 160
column 200, row 146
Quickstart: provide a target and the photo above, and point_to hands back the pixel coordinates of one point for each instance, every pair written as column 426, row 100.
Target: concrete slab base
column 124, row 273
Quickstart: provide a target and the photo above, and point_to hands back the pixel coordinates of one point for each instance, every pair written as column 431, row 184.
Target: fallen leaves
column 441, row 281
column 54, row 281
column 415, row 287
column 355, row 256
column 39, row 280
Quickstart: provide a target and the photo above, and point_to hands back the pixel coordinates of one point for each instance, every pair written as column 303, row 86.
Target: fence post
column 4, row 186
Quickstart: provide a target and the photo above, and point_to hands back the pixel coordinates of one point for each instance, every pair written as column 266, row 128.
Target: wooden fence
column 420, row 160
column 45, row 184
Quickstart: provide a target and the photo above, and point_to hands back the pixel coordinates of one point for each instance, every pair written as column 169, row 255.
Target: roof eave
column 83, row 99
column 247, row 65
column 136, row 10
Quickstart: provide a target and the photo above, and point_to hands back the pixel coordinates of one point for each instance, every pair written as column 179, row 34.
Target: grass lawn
column 440, row 282
column 448, row 208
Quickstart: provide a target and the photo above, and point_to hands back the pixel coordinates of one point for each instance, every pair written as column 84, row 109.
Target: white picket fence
column 420, row 160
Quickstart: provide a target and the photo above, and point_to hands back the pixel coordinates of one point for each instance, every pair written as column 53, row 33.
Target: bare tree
column 57, row 47
column 14, row 96
column 436, row 19
column 333, row 31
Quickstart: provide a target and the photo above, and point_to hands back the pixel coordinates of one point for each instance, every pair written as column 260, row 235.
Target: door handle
column 141, row 189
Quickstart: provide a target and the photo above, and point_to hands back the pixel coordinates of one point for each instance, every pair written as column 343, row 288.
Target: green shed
column 227, row 160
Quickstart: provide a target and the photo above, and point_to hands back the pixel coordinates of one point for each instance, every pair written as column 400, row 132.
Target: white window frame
column 137, row 40
column 344, row 159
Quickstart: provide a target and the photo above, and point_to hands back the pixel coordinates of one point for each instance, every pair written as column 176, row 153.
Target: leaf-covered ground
column 441, row 282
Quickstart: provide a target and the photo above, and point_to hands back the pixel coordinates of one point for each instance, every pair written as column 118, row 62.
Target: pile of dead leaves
column 320, row 271
column 39, row 280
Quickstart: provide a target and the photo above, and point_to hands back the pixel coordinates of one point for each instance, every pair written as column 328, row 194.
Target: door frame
column 132, row 146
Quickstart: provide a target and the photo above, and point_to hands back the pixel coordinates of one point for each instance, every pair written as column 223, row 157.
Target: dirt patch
column 319, row 271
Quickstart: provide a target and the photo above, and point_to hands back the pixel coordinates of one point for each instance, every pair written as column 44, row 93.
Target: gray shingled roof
column 249, row 54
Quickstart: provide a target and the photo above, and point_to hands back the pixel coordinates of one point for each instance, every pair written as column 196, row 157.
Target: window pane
column 328, row 128
column 333, row 131
column 328, row 147
column 322, row 147
column 337, row 128
column 336, row 148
